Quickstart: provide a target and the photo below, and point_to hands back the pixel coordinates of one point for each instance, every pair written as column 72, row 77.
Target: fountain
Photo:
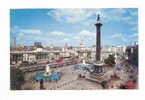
column 84, row 63
column 83, row 66
column 47, row 73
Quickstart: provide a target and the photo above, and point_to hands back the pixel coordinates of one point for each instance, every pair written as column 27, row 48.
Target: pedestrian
column 41, row 84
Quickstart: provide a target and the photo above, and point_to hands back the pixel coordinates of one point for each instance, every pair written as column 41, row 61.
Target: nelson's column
column 98, row 39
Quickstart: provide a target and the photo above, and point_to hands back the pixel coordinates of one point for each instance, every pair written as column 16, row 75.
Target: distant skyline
column 60, row 26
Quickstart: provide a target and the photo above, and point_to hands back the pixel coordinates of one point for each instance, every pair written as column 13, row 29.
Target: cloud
column 87, row 33
column 72, row 15
column 119, row 39
column 31, row 31
column 76, row 38
column 119, row 36
column 116, row 35
column 82, row 16
column 76, row 17
column 17, row 29
column 89, row 22
column 89, row 16
column 26, row 35
column 133, row 23
column 126, row 18
column 66, row 40
column 30, row 39
column 134, row 35
column 118, row 14
column 134, row 28
column 134, row 12
column 121, row 10
column 57, row 33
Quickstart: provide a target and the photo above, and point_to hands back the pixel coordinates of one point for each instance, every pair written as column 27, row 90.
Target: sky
column 60, row 26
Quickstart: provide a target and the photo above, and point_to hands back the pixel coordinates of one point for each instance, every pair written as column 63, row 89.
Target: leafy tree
column 25, row 62
column 16, row 79
column 110, row 60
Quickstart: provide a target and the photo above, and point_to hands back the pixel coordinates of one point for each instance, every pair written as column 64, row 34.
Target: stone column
column 98, row 39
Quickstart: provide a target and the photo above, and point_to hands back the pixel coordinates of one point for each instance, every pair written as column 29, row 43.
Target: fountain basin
column 83, row 67
column 47, row 74
column 52, row 76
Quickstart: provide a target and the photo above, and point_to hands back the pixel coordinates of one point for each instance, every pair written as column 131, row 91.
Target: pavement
column 70, row 80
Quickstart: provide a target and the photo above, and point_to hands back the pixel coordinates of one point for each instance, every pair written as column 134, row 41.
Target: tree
column 110, row 60
column 25, row 62
column 16, row 79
